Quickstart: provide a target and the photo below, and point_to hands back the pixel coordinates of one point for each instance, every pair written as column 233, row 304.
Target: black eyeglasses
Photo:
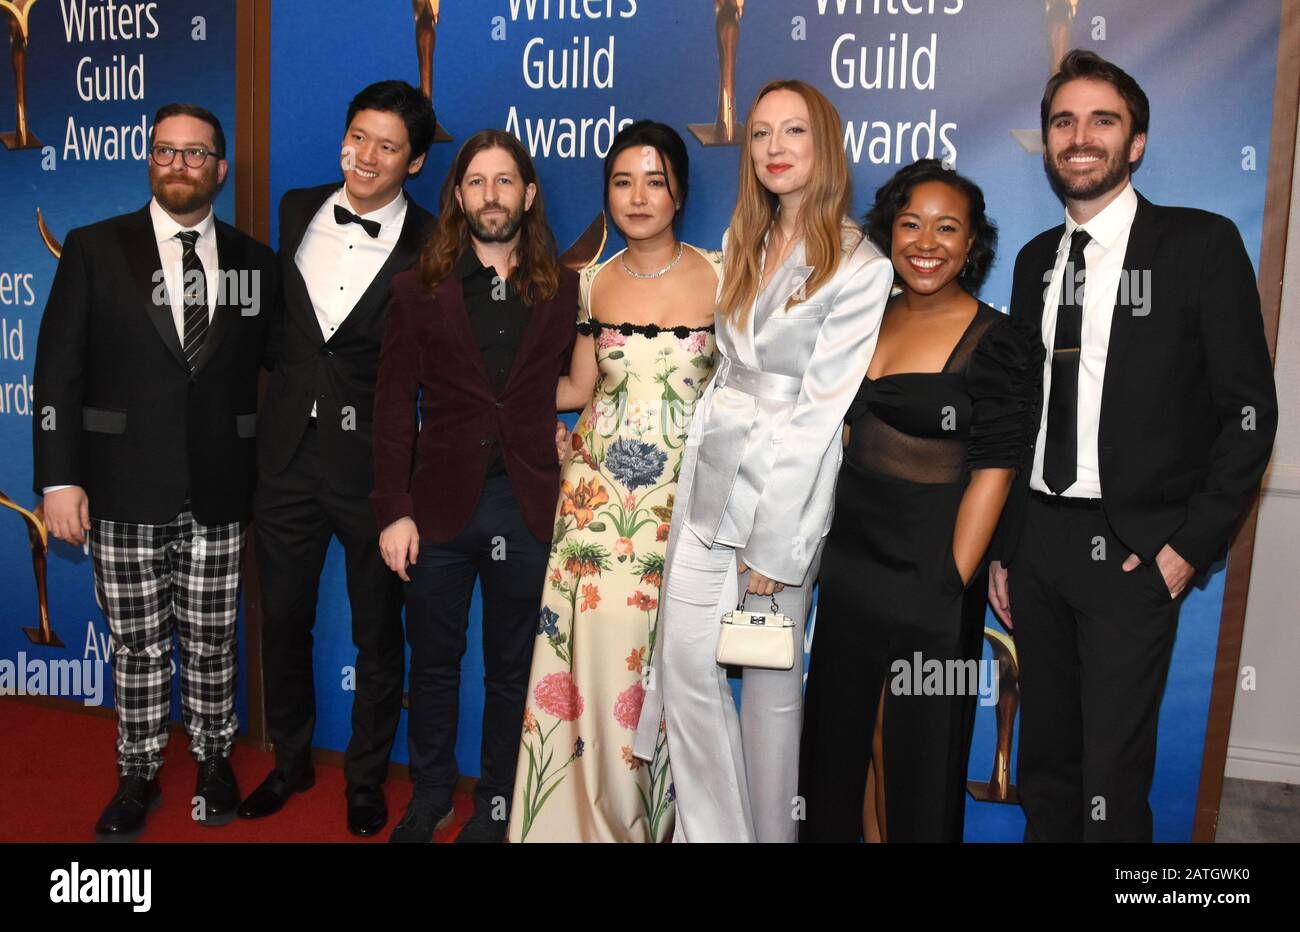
column 193, row 158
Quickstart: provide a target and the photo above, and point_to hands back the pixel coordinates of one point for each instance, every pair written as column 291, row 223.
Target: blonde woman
column 800, row 304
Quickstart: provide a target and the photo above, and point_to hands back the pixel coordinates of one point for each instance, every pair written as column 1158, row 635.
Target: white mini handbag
column 756, row 639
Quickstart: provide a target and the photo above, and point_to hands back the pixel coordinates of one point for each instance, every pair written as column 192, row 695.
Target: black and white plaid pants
column 151, row 579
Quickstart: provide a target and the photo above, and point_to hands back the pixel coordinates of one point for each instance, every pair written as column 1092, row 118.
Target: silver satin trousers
column 735, row 776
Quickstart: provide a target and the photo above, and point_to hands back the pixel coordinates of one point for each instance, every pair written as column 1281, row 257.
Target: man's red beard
column 183, row 195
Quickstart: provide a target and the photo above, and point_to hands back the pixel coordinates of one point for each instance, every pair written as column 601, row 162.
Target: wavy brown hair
column 823, row 213
column 536, row 275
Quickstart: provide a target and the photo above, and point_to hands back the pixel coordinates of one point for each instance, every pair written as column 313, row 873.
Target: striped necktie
column 196, row 297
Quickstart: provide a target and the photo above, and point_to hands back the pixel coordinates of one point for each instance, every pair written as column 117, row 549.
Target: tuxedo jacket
column 118, row 410
column 1188, row 406
column 430, row 353
column 338, row 374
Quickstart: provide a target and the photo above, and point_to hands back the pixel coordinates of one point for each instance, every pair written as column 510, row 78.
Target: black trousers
column 296, row 514
column 1094, row 645
column 497, row 548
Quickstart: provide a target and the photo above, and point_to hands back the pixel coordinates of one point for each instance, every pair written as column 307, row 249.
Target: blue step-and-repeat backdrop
column 956, row 79
column 72, row 151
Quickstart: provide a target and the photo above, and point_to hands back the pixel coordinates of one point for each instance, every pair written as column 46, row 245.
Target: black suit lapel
column 1041, row 269
column 1139, row 261
column 145, row 262
column 228, row 254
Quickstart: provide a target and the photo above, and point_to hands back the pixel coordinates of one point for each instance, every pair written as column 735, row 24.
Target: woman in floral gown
column 644, row 354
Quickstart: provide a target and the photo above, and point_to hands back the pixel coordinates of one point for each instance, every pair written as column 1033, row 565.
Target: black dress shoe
column 367, row 811
column 482, row 829
column 422, row 819
column 124, row 817
column 270, row 797
column 219, row 792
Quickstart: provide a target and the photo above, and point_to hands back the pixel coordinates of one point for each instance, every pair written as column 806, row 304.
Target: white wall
column 1265, row 740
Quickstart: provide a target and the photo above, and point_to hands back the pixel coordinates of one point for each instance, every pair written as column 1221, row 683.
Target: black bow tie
column 343, row 215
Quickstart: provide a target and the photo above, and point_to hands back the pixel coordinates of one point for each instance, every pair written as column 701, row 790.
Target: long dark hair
column 894, row 195
column 667, row 144
column 536, row 275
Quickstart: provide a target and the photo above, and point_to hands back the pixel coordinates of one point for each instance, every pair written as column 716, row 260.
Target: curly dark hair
column 893, row 196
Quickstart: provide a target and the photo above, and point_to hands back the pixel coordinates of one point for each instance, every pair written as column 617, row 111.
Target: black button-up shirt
column 497, row 316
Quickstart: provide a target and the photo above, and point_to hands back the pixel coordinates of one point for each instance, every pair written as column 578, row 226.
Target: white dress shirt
column 1104, row 259
column 338, row 261
column 171, row 252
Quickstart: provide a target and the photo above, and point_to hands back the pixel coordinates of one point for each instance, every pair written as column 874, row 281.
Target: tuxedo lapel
column 295, row 286
column 145, row 263
column 405, row 251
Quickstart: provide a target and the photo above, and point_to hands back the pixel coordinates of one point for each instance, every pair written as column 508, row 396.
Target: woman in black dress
column 943, row 419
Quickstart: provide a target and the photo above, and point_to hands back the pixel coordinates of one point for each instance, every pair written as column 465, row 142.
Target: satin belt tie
column 760, row 384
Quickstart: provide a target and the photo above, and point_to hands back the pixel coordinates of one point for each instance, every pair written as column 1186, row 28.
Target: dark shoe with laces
column 216, row 793
column 422, row 819
column 123, row 819
column 482, row 829
column 273, row 792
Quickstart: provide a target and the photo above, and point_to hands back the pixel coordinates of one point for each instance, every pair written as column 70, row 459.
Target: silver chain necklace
column 622, row 258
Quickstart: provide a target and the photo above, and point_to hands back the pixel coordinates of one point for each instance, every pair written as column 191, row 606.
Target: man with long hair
column 340, row 246
column 478, row 336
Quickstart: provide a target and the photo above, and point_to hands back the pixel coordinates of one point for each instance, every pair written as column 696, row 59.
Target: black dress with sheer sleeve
column 894, row 619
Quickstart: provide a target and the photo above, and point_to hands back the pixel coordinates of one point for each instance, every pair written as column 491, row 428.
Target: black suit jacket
column 119, row 412
column 1188, row 407
column 337, row 374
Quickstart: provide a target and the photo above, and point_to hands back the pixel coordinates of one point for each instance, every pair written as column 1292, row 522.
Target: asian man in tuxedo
column 1156, row 421
column 146, row 381
column 340, row 246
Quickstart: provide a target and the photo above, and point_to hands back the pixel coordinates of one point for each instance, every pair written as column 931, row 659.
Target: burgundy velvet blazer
column 430, row 357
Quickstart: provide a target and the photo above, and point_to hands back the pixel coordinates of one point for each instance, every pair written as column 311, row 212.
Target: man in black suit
column 146, row 381
column 1157, row 418
column 340, row 246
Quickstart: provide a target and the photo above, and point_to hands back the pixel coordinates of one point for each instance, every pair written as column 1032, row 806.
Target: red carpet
column 58, row 775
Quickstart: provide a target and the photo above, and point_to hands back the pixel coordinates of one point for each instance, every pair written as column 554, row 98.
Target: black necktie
column 1061, row 453
column 195, row 285
column 343, row 215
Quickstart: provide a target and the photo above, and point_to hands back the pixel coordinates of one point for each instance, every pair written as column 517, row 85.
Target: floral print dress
column 577, row 779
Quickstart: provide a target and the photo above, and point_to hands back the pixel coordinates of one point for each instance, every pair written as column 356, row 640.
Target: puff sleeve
column 1002, row 379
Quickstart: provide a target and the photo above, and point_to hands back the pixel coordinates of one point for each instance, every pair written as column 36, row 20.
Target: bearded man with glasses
column 146, row 373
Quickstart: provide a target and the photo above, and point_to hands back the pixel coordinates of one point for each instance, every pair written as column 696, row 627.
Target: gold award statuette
column 426, row 38
column 39, row 540
column 52, row 244
column 15, row 14
column 722, row 131
column 587, row 248
column 1060, row 21
column 999, row 788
